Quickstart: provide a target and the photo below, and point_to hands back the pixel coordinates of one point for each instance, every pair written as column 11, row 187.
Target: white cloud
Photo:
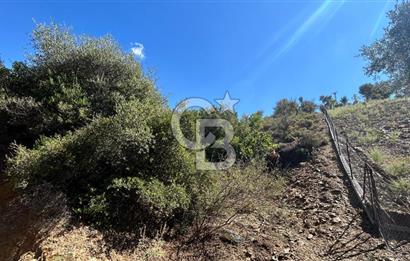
column 138, row 50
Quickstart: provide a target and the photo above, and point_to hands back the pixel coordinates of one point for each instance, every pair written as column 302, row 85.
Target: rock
column 274, row 258
column 231, row 237
column 249, row 254
column 310, row 236
column 336, row 220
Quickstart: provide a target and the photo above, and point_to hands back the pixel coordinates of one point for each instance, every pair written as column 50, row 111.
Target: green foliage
column 401, row 187
column 22, row 119
column 377, row 91
column 344, row 101
column 302, row 127
column 250, row 141
column 306, row 106
column 399, row 167
column 78, row 78
column 328, row 101
column 4, row 78
column 377, row 155
column 128, row 161
column 286, row 107
column 391, row 54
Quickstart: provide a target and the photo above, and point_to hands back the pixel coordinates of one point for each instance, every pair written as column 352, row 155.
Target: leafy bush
column 22, row 121
column 78, row 78
column 302, row 126
column 307, row 106
column 106, row 140
column 128, row 161
column 250, row 141
column 286, row 107
column 380, row 90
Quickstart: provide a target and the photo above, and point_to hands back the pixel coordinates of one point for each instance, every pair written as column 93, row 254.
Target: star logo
column 227, row 103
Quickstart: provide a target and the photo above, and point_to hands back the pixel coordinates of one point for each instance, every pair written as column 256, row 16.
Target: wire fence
column 386, row 210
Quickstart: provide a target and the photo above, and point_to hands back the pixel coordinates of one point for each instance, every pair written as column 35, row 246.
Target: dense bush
column 377, row 91
column 250, row 141
column 124, row 170
column 22, row 119
column 105, row 132
column 287, row 107
column 78, row 78
column 302, row 127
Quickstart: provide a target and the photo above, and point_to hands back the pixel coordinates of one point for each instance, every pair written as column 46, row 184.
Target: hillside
column 311, row 215
column 381, row 128
column 378, row 123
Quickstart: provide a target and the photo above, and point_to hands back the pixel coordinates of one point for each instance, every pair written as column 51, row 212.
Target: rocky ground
column 315, row 219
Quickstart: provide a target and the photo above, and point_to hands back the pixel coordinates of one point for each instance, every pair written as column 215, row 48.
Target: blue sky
column 260, row 52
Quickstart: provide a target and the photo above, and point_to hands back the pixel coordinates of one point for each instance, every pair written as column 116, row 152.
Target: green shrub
column 286, row 107
column 377, row 155
column 398, row 167
column 401, row 187
column 302, row 126
column 250, row 141
column 128, row 162
column 22, row 121
column 78, row 78
column 370, row 137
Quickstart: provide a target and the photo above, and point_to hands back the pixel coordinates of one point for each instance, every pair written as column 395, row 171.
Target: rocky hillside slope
column 315, row 218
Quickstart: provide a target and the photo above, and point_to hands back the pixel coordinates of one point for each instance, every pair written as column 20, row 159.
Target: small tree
column 328, row 101
column 286, row 107
column 381, row 90
column 355, row 99
column 307, row 106
column 390, row 55
column 344, row 101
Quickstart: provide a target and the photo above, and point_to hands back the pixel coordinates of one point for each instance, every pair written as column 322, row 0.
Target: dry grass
column 382, row 128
